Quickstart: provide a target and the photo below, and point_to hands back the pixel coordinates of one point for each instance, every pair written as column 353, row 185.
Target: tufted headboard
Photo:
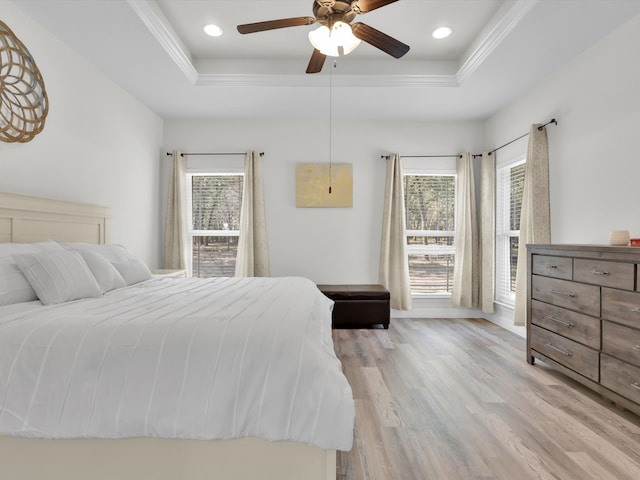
column 26, row 218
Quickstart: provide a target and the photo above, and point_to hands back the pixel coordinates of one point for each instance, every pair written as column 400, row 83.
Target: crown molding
column 153, row 18
column 304, row 80
column 160, row 27
column 494, row 38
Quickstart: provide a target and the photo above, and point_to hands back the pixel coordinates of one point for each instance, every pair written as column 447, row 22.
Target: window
column 509, row 186
column 430, row 210
column 214, row 223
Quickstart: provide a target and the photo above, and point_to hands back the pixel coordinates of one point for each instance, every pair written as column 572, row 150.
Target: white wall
column 327, row 245
column 594, row 166
column 593, row 156
column 99, row 145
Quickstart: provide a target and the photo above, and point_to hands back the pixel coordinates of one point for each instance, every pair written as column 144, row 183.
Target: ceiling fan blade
column 364, row 6
column 316, row 62
column 274, row 24
column 380, row 40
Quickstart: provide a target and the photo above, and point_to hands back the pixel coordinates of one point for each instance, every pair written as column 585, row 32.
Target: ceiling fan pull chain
column 331, row 119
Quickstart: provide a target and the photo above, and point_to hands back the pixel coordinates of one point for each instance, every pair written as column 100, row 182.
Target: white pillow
column 130, row 267
column 14, row 287
column 58, row 277
column 9, row 249
column 111, row 251
column 105, row 273
column 133, row 270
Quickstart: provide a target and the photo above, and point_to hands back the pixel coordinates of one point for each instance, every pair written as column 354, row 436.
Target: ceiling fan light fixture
column 344, row 37
column 340, row 40
column 320, row 37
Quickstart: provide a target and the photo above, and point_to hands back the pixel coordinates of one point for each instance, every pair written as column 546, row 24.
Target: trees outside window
column 214, row 226
column 430, row 224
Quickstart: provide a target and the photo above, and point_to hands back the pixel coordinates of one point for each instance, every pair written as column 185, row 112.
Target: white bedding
column 178, row 358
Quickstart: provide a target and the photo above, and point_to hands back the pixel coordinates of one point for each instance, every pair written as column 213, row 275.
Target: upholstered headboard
column 25, row 218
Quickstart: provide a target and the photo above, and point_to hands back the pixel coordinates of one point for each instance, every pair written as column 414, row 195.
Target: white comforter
column 178, row 358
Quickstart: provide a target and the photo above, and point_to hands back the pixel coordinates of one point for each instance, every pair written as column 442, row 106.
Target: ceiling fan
column 336, row 35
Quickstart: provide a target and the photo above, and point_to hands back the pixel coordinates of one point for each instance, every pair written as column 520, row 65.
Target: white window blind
column 430, row 223
column 509, row 186
column 215, row 201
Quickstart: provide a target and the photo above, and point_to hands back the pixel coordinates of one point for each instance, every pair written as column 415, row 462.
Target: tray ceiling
column 157, row 51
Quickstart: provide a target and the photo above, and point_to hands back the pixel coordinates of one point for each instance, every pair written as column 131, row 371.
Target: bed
column 249, row 429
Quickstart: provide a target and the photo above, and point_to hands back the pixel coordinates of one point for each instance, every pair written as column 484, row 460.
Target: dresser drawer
column 621, row 342
column 549, row 266
column 576, row 326
column 575, row 296
column 607, row 274
column 623, row 307
column 622, row 378
column 573, row 355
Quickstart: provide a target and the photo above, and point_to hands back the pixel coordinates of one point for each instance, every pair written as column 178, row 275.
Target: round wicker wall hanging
column 23, row 99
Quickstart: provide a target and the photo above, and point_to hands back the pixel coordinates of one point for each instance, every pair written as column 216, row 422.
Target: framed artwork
column 314, row 179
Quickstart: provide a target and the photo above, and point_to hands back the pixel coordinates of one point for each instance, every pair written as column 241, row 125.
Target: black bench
column 358, row 306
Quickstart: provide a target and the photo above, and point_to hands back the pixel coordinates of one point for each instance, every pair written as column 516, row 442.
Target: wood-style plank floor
column 447, row 399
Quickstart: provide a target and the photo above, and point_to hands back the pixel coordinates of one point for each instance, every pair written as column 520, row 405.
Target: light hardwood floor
column 447, row 399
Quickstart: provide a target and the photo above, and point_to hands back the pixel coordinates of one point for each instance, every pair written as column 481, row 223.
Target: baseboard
column 442, row 308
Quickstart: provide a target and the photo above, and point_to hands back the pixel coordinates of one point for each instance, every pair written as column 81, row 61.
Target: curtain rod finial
column 553, row 120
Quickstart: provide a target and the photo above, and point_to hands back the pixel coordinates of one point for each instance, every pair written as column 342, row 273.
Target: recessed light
column 212, row 30
column 441, row 32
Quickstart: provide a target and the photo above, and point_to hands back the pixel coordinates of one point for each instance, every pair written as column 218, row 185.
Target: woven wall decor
column 23, row 99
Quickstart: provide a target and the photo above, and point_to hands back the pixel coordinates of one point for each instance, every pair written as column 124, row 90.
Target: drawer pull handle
column 563, row 352
column 635, row 385
column 550, row 265
column 564, row 294
column 561, row 322
column 597, row 272
column 636, row 310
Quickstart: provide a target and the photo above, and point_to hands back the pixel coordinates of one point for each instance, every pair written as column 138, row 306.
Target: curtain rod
column 475, row 155
column 553, row 120
column 214, row 154
column 386, row 157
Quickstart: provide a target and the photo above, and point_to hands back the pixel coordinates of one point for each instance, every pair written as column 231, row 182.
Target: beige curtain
column 535, row 219
column 253, row 255
column 487, row 231
column 466, row 266
column 394, row 263
column 175, row 228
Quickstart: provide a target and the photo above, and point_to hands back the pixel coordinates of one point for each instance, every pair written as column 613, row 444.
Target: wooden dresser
column 584, row 316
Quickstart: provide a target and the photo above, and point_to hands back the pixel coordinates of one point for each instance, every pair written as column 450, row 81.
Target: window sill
column 503, row 304
column 427, row 296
